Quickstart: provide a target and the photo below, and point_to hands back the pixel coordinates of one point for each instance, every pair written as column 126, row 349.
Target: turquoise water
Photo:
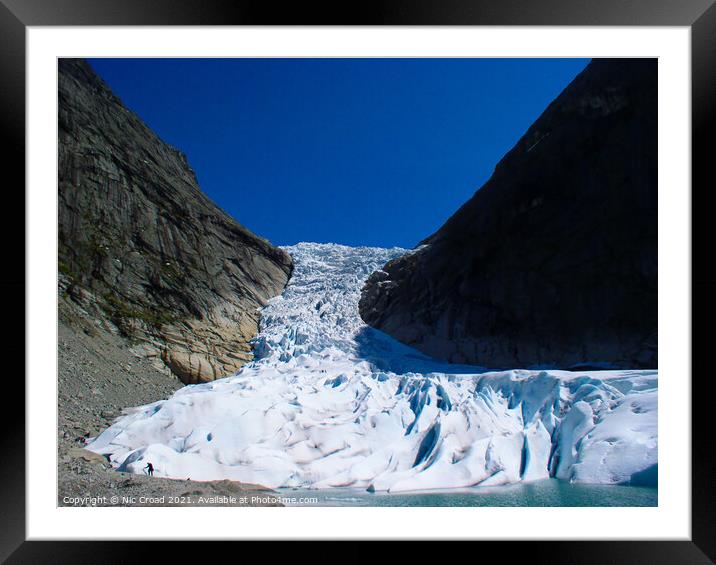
column 550, row 492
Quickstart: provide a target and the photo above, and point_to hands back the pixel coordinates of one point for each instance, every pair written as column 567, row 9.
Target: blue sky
column 373, row 152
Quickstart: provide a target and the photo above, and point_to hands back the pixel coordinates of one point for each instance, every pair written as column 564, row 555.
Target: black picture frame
column 699, row 15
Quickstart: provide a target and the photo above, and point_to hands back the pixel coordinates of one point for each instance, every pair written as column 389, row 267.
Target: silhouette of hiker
column 150, row 469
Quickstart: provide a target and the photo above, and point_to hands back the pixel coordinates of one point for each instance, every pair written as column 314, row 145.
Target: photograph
column 406, row 274
column 357, row 282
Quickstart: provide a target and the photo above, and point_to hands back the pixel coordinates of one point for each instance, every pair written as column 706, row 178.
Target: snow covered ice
column 331, row 402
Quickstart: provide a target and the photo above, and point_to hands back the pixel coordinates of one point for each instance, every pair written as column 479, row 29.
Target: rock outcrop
column 554, row 260
column 142, row 250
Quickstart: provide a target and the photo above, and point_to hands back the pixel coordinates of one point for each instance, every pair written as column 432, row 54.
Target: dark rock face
column 142, row 250
column 554, row 260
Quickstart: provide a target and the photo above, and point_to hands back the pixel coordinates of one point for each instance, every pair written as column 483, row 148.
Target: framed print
column 409, row 275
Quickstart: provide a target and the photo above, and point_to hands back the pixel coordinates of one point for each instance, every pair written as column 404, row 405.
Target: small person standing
column 150, row 469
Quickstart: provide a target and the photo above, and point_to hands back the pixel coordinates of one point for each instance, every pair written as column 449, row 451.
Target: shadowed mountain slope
column 554, row 260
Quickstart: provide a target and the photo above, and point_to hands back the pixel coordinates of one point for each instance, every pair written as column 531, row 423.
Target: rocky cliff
column 554, row 260
column 142, row 251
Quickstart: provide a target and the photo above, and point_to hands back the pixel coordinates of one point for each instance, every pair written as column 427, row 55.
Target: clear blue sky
column 354, row 151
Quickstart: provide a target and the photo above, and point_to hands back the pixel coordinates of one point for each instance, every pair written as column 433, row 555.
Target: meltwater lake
column 551, row 492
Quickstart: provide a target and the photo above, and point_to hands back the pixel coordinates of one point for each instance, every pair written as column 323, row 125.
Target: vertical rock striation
column 554, row 260
column 142, row 250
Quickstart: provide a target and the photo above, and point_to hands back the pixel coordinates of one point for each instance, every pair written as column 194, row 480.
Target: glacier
column 331, row 402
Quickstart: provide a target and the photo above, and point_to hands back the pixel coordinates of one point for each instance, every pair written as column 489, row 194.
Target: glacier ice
column 331, row 402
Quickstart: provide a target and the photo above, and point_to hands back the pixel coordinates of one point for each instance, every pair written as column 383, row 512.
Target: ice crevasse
column 331, row 402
